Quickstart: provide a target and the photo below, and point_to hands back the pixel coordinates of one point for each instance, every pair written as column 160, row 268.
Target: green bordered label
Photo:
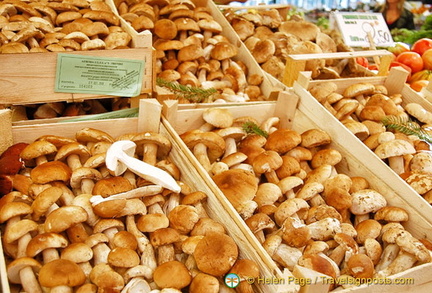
column 99, row 75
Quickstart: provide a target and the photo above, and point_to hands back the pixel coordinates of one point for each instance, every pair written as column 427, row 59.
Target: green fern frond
column 193, row 94
column 406, row 126
column 251, row 128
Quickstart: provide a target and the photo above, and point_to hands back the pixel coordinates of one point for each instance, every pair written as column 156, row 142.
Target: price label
column 355, row 27
column 99, row 75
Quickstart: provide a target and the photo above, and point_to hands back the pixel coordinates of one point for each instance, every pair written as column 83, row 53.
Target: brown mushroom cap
column 163, row 275
column 204, row 283
column 123, row 257
column 51, row 171
column 218, row 117
column 361, row 266
column 237, row 185
column 282, row 140
column 61, row 272
column 165, row 29
column 64, row 217
column 358, row 89
column 215, row 254
column 224, row 50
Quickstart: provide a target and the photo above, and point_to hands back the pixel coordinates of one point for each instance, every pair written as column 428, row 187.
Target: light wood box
column 243, row 55
column 358, row 160
column 149, row 120
column 29, row 78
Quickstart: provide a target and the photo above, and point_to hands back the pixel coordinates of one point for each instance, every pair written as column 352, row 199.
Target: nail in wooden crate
column 357, row 161
column 149, row 119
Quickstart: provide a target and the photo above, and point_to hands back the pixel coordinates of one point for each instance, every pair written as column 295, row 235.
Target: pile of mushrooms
column 361, row 108
column 271, row 38
column 53, row 26
column 304, row 212
column 96, row 213
column 61, row 26
column 191, row 48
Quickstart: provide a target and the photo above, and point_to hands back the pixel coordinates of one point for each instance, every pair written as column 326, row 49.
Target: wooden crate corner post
column 5, row 129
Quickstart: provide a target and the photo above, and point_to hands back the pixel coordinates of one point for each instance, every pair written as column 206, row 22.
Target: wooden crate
column 149, row 120
column 243, row 55
column 297, row 63
column 308, row 115
column 30, row 78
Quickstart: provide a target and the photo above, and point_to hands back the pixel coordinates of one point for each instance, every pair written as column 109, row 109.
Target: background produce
column 416, row 59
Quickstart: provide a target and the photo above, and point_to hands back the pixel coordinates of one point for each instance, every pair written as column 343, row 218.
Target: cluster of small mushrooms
column 83, row 214
column 271, row 38
column 361, row 108
column 59, row 26
column 191, row 48
column 287, row 189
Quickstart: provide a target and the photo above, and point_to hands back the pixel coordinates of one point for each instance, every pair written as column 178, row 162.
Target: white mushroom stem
column 150, row 153
column 269, row 123
column 144, row 246
column 130, row 176
column 397, row 164
column 230, row 146
column 119, row 156
column 29, row 281
column 239, row 75
column 401, row 263
column 134, row 193
column 50, row 254
column 165, row 253
column 171, row 203
column 216, row 84
column 218, row 167
column 233, row 98
column 100, row 253
column 200, row 152
column 207, row 51
column 155, row 209
column 388, row 255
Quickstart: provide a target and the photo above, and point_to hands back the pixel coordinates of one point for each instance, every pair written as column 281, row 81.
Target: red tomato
column 407, row 68
column 411, row 59
column 399, row 48
column 420, row 46
column 427, row 59
column 362, row 61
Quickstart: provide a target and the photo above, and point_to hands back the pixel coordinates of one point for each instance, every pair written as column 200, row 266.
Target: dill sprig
column 193, row 94
column 251, row 128
column 406, row 126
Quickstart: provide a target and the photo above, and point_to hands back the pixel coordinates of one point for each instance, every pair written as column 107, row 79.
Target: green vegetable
column 406, row 126
column 251, row 128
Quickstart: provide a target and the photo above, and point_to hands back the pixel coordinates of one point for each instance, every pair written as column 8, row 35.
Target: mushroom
column 206, row 146
column 163, row 275
column 119, row 157
column 61, row 275
column 215, row 254
column 23, row 271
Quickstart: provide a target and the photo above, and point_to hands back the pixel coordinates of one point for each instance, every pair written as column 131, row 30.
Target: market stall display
column 268, row 170
column 133, row 230
column 294, row 180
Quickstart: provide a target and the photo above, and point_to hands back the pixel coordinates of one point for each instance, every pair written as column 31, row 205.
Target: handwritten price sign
column 355, row 27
